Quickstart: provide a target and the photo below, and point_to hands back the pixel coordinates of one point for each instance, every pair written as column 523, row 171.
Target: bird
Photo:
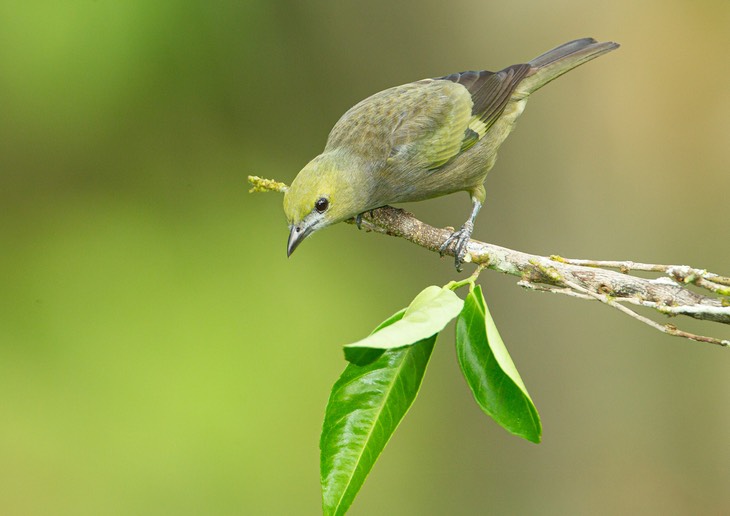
column 422, row 140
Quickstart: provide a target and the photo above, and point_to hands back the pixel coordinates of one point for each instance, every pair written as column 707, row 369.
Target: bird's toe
column 460, row 251
column 459, row 240
column 445, row 246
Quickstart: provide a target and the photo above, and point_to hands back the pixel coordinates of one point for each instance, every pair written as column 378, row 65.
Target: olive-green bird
column 422, row 140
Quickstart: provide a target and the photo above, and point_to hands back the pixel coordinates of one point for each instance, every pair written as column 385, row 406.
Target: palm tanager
column 422, row 140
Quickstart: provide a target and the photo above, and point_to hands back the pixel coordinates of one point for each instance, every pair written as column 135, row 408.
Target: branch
column 584, row 279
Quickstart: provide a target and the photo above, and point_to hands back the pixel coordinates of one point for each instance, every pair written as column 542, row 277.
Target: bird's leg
column 460, row 239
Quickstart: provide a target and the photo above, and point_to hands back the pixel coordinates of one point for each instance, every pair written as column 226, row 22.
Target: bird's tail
column 556, row 62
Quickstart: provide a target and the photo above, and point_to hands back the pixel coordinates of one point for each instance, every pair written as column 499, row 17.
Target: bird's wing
column 490, row 93
column 421, row 124
column 425, row 124
column 431, row 130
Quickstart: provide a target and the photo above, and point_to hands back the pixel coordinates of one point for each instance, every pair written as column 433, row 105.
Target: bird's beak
column 296, row 235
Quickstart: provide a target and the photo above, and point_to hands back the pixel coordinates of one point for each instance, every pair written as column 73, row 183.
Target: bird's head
column 322, row 194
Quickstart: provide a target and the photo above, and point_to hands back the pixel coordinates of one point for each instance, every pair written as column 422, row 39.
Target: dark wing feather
column 490, row 92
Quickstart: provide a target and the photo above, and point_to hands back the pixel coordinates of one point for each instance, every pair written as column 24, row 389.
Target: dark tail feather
column 554, row 63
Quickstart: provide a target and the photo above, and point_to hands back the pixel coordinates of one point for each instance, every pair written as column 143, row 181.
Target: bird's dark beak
column 296, row 235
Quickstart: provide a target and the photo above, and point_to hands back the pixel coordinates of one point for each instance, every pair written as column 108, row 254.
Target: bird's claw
column 458, row 240
column 358, row 219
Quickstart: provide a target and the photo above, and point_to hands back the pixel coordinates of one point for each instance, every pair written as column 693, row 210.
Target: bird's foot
column 358, row 219
column 458, row 241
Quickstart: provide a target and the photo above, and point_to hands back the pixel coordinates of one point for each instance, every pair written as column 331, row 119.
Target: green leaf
column 365, row 407
column 490, row 372
column 363, row 356
column 427, row 315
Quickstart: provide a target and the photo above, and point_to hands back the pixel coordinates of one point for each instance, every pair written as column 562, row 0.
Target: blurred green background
column 160, row 355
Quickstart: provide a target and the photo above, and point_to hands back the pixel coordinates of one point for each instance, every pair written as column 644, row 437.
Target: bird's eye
column 321, row 205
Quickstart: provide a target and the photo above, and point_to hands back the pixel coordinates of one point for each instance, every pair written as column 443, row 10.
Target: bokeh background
column 160, row 355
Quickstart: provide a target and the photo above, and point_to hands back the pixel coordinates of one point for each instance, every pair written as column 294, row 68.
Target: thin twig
column 667, row 310
column 681, row 273
column 624, row 266
column 664, row 328
column 554, row 290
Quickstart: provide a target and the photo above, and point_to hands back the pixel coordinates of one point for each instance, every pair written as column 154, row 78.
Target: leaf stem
column 471, row 280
